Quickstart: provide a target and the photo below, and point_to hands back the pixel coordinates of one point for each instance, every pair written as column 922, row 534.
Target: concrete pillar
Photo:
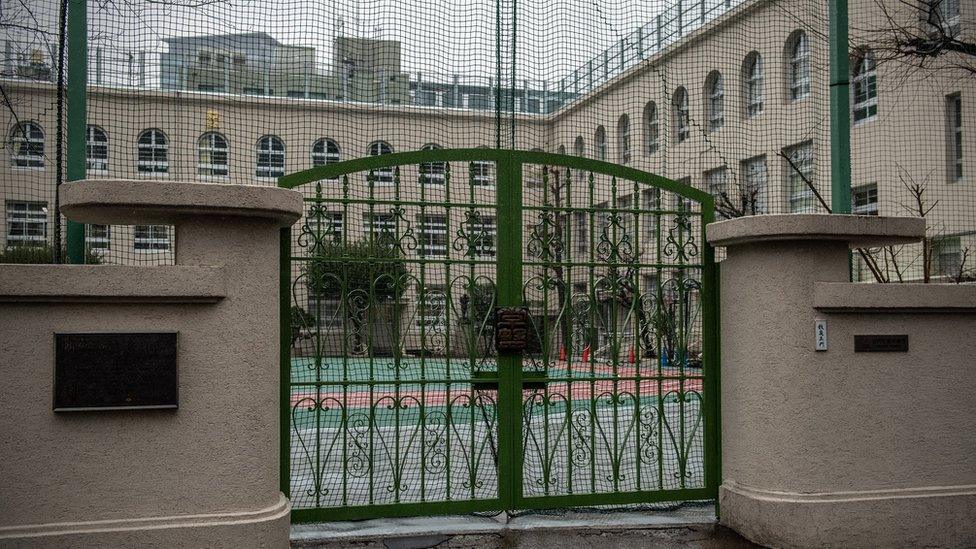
column 837, row 448
column 203, row 475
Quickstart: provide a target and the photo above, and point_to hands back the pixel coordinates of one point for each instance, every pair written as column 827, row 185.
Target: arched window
column 600, row 142
column 26, row 145
column 381, row 176
column 799, row 62
column 752, row 84
column 212, row 155
column 652, row 128
column 682, row 121
column 270, row 157
column 96, row 149
column 153, row 152
column 579, row 147
column 432, row 173
column 623, row 138
column 864, row 87
column 714, row 101
column 324, row 152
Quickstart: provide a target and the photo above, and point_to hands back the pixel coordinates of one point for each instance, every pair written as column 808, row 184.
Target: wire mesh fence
column 727, row 96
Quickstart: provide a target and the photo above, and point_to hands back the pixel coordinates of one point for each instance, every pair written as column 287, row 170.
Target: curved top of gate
column 332, row 171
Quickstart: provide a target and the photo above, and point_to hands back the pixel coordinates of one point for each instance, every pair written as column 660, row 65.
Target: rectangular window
column 26, row 223
column 151, row 237
column 947, row 256
column 628, row 223
column 433, row 235
column 98, row 237
column 481, row 230
column 432, row 303
column 754, row 185
column 716, row 181
column 382, row 227
column 799, row 170
column 864, row 199
column 326, row 226
column 482, row 174
column 650, row 202
column 954, row 137
column 581, row 228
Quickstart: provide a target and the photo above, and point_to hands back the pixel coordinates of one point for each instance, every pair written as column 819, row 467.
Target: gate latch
column 512, row 329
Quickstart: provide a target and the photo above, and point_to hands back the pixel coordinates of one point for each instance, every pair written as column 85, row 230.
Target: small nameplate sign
column 881, row 344
column 111, row 371
column 512, row 329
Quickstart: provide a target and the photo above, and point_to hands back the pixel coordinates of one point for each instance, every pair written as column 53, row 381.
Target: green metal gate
column 481, row 329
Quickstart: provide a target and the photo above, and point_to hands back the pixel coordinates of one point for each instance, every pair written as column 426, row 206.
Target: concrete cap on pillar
column 857, row 230
column 127, row 201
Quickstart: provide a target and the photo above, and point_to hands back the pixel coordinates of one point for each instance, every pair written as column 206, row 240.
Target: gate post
column 189, row 461
column 827, row 442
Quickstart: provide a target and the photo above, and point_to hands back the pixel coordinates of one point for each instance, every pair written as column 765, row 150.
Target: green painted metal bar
column 509, row 283
column 284, row 354
column 76, row 117
column 338, row 169
column 358, row 512
column 840, row 110
column 711, row 365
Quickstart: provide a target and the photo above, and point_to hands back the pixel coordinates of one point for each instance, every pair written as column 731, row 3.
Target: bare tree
column 918, row 32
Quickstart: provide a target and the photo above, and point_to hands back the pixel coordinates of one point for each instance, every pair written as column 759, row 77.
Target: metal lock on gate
column 512, row 329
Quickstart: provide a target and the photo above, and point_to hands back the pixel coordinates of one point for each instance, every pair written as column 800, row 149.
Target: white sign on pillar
column 820, row 331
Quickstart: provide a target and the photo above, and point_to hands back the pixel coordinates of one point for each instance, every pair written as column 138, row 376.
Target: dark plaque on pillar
column 881, row 344
column 115, row 371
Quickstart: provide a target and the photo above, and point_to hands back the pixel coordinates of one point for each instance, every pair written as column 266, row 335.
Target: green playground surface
column 413, row 391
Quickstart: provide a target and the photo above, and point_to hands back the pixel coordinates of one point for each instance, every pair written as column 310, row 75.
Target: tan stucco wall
column 204, row 475
column 837, row 449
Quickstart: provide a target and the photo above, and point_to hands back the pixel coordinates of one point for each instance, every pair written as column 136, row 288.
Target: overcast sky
column 439, row 37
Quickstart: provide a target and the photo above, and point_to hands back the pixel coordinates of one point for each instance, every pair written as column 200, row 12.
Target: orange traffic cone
column 586, row 354
column 562, row 354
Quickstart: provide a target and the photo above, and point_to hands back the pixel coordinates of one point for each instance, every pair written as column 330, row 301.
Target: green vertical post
column 76, row 117
column 840, row 110
column 509, row 277
column 284, row 342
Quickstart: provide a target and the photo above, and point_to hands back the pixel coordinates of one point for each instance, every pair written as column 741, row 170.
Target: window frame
column 799, row 66
column 753, row 85
column 380, row 176
column 955, row 147
column 327, row 155
column 93, row 164
column 157, row 238
column 99, row 243
column 623, row 138
column 748, row 183
column 34, row 214
column 864, row 77
column 868, row 207
column 802, row 155
column 210, row 170
column 600, row 142
column 432, row 230
column 682, row 115
column 652, row 128
column 432, row 173
column 26, row 149
column 156, row 152
column 272, row 170
column 715, row 101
